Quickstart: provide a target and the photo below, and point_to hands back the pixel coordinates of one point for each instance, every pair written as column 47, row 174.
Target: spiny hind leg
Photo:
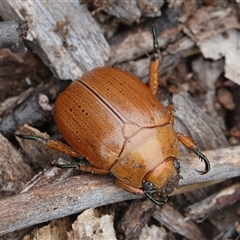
column 191, row 144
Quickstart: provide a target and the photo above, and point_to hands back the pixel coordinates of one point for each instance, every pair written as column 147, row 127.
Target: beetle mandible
column 116, row 122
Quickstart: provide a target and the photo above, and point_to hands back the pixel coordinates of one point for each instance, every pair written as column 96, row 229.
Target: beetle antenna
column 206, row 161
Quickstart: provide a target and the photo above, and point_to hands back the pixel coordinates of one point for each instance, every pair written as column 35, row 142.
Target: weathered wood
column 91, row 224
column 65, row 35
column 34, row 109
column 138, row 41
column 19, row 72
column 135, row 218
column 170, row 58
column 12, row 34
column 77, row 193
column 15, row 172
column 38, row 154
column 220, row 200
column 209, row 21
column 171, row 218
column 193, row 121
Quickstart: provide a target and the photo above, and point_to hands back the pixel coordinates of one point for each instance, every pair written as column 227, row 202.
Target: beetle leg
column 54, row 144
column 84, row 168
column 92, row 169
column 62, row 147
column 171, row 109
column 128, row 188
column 153, row 75
column 191, row 144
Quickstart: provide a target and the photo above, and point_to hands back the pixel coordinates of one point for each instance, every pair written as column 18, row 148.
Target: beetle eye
column 176, row 164
column 148, row 187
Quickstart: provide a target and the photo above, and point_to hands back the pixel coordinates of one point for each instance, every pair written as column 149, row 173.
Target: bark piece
column 174, row 221
column 222, row 199
column 215, row 31
column 224, row 45
column 12, row 35
column 20, row 72
column 136, row 42
column 170, row 58
column 124, row 10
column 225, row 98
column 193, row 121
column 208, row 72
column 235, row 131
column 65, row 36
column 38, row 154
column 224, row 220
column 32, row 107
column 33, row 110
column 210, row 21
column 55, row 230
column 150, row 8
column 155, row 232
column 15, row 172
column 132, row 11
column 90, row 226
column 136, row 217
column 50, row 175
column 55, row 200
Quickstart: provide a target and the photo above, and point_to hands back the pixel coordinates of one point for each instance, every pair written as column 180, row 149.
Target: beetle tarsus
column 58, row 165
column 31, row 137
column 170, row 98
column 156, row 55
column 155, row 40
column 155, row 200
column 206, row 161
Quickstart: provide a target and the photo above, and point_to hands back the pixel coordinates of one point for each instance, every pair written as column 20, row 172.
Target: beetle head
column 162, row 180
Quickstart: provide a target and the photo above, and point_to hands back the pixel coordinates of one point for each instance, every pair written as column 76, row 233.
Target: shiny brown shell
column 100, row 110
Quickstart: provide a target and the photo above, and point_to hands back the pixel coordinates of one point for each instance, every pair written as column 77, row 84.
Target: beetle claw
column 202, row 172
column 206, row 161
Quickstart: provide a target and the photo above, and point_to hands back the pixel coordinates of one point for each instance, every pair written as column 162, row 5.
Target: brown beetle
column 115, row 121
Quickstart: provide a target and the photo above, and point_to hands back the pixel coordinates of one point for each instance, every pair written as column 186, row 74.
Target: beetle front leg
column 128, row 188
column 191, row 144
column 153, row 75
